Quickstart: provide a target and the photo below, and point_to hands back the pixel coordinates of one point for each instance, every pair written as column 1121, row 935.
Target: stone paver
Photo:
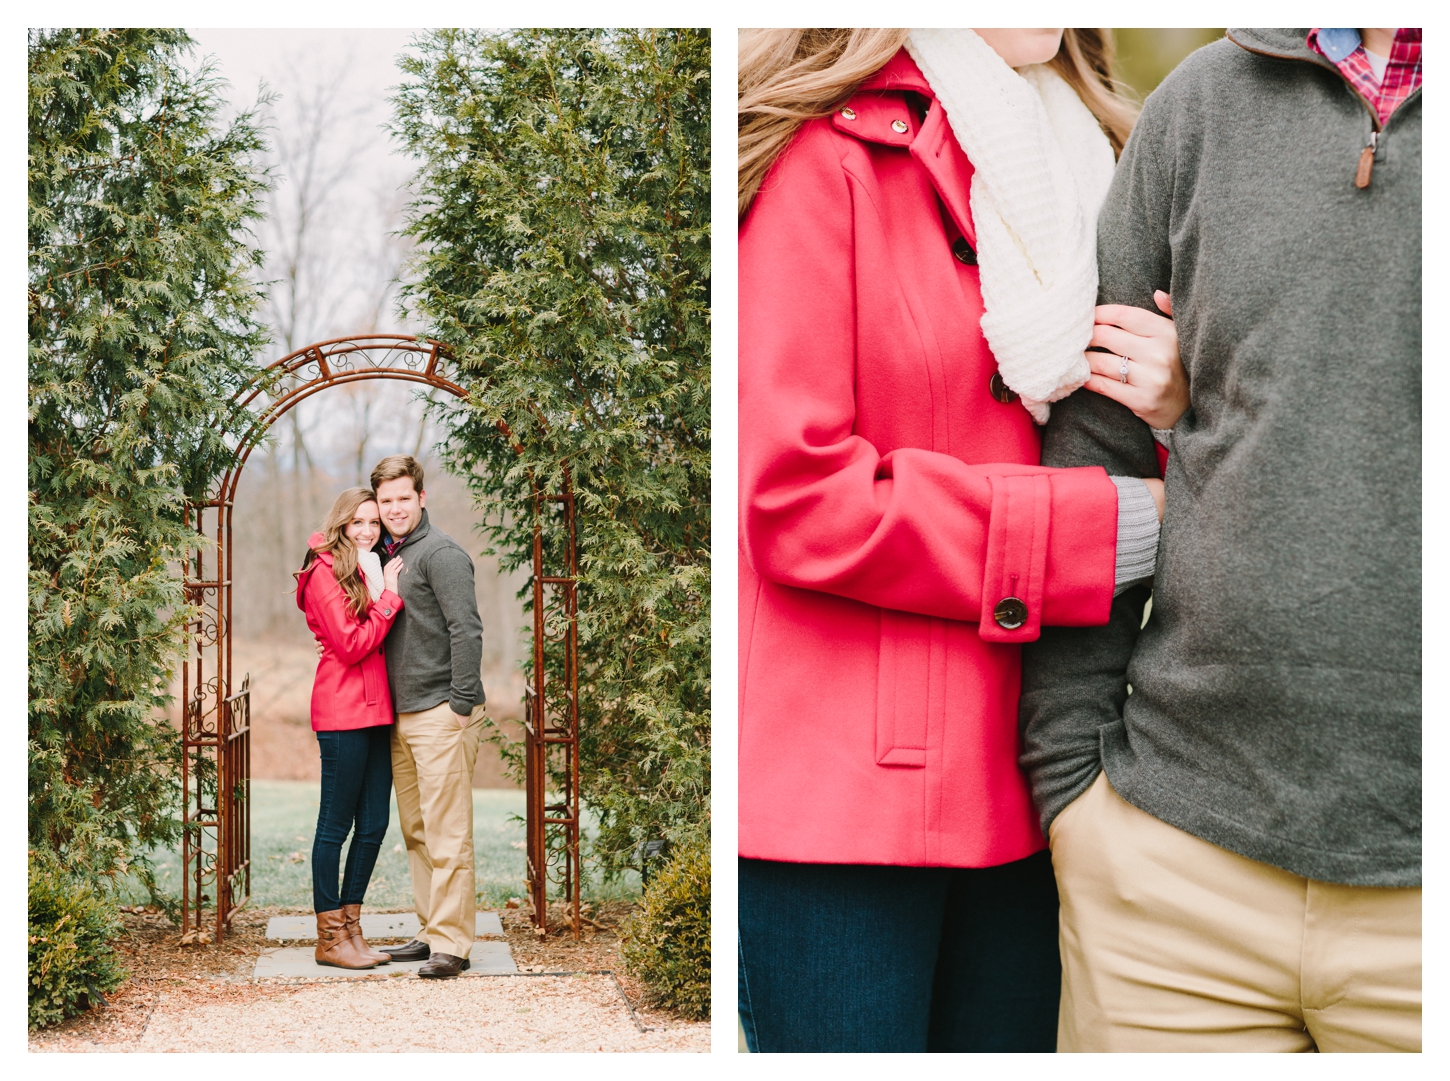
column 487, row 958
column 374, row 925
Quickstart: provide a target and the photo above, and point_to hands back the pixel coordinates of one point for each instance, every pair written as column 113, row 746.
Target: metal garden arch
column 216, row 714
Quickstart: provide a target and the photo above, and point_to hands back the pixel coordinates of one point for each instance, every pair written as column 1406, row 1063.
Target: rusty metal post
column 536, row 762
column 571, row 664
column 557, row 725
column 185, row 744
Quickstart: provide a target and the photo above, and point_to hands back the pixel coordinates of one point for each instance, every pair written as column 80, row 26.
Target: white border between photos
column 724, row 438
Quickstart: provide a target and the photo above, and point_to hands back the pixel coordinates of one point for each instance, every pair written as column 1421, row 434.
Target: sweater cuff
column 1137, row 533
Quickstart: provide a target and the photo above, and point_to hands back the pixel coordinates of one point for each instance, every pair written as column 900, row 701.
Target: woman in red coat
column 917, row 281
column 351, row 603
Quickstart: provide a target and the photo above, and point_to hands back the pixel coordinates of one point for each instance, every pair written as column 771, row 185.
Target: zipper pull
column 1366, row 161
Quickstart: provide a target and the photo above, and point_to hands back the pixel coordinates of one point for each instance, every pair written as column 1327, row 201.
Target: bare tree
column 335, row 257
column 313, row 157
column 388, row 251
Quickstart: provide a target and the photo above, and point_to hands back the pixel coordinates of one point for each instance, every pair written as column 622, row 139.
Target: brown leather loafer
column 443, row 966
column 412, row 951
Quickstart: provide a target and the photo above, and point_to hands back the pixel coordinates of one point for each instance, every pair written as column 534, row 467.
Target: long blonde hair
column 790, row 76
column 344, row 552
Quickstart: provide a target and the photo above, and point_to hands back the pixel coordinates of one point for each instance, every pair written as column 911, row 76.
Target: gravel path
column 187, row 998
column 547, row 1013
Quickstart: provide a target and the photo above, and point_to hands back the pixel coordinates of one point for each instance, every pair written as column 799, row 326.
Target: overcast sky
column 352, row 227
column 246, row 57
column 293, row 65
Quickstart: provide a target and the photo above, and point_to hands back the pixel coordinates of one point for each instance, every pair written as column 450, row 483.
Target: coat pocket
column 903, row 689
column 372, row 682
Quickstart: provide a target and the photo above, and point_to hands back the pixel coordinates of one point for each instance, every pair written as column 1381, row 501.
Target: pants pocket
column 1063, row 822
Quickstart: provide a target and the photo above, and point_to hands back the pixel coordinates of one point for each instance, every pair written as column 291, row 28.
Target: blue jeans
column 853, row 958
column 357, row 777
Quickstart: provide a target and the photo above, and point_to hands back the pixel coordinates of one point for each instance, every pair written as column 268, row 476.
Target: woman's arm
column 822, row 509
column 350, row 639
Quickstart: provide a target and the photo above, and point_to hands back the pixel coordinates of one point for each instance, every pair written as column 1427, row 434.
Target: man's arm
column 450, row 574
column 1074, row 679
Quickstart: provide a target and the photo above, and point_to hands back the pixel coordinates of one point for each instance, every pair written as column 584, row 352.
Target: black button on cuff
column 1000, row 390
column 1010, row 613
column 963, row 251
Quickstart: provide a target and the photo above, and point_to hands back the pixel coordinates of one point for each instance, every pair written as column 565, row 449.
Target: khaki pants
column 1170, row 943
column 433, row 775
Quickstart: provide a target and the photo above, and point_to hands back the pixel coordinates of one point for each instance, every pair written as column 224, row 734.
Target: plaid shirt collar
column 392, row 546
column 1343, row 48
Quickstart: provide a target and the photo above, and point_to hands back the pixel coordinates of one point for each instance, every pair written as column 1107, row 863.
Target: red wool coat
column 888, row 503
column 350, row 689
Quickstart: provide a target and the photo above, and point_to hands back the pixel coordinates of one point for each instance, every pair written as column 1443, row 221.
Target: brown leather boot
column 353, row 915
column 335, row 946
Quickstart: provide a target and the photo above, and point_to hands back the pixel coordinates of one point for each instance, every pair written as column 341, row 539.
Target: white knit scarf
column 1043, row 166
column 372, row 571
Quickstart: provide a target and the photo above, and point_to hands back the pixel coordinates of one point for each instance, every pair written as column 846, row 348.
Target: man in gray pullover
column 433, row 653
column 1232, row 789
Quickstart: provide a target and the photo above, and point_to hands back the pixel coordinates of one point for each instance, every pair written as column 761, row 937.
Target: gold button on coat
column 898, row 126
column 848, row 113
column 1000, row 390
column 1010, row 613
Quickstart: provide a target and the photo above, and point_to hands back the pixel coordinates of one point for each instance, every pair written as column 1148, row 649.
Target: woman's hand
column 1157, row 386
column 391, row 569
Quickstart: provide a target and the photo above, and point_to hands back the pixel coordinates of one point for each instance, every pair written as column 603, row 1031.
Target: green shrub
column 142, row 327
column 72, row 923
column 563, row 238
column 667, row 942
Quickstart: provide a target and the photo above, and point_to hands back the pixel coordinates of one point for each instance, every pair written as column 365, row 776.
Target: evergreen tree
column 140, row 309
column 563, row 224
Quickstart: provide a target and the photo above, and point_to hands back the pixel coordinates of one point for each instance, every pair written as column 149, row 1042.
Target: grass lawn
column 284, row 817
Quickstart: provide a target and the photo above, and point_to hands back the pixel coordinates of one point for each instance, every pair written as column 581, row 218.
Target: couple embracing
column 397, row 703
column 989, row 800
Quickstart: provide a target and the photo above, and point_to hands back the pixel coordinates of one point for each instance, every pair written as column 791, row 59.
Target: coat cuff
column 1050, row 553
column 1016, row 566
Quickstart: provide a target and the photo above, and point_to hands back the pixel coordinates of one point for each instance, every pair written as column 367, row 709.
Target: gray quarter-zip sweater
column 436, row 645
column 1275, row 705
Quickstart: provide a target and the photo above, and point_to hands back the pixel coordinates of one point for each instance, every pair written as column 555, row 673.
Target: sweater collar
column 1293, row 44
column 1284, row 44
